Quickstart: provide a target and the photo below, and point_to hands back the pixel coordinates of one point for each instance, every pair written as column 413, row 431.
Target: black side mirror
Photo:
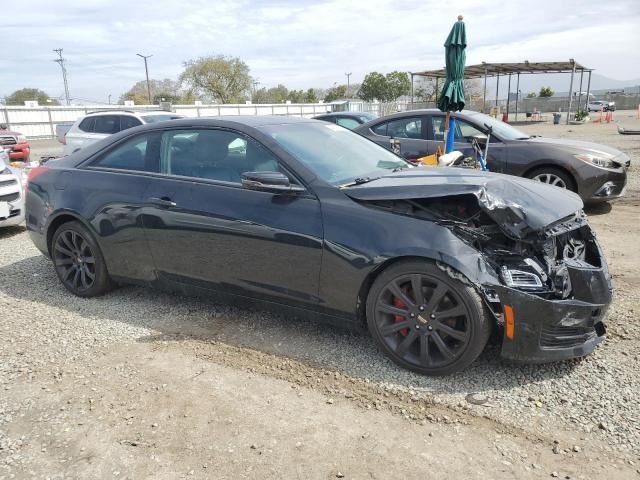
column 273, row 182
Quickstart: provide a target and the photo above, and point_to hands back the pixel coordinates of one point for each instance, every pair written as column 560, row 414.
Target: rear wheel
column 425, row 320
column 553, row 176
column 78, row 261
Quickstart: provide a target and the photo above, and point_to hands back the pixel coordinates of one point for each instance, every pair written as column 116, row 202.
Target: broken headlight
column 520, row 279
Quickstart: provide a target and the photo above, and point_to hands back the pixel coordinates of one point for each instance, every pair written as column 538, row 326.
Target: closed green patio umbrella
column 452, row 97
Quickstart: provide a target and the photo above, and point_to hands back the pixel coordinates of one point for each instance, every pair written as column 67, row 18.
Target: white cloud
column 301, row 43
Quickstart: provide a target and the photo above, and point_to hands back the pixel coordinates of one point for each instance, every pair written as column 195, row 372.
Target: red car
column 15, row 144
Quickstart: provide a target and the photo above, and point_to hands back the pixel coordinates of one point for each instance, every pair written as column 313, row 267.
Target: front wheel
column 553, row 176
column 425, row 320
column 78, row 261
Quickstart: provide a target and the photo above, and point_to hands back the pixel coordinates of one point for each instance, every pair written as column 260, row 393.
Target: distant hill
column 559, row 83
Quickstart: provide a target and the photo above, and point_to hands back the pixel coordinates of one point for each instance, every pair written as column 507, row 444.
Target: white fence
column 40, row 122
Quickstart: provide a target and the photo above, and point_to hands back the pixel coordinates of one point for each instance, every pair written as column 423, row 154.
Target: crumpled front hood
column 519, row 206
column 576, row 144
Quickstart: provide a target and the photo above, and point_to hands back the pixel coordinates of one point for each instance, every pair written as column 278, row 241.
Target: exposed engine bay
column 538, row 263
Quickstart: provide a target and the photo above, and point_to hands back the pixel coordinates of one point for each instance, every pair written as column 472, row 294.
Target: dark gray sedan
column 596, row 172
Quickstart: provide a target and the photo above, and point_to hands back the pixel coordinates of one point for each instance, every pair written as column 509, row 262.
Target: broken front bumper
column 547, row 330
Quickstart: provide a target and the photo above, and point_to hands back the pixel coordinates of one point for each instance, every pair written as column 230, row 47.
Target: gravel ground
column 45, row 329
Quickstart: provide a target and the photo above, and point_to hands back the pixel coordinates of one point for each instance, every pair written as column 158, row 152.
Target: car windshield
column 159, row 118
column 335, row 154
column 501, row 129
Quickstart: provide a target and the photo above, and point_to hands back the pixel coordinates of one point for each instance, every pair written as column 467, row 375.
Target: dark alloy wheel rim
column 74, row 261
column 423, row 321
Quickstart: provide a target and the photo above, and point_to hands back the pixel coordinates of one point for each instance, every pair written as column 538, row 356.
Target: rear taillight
column 34, row 173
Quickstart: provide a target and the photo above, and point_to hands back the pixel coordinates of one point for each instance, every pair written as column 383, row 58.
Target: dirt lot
column 140, row 384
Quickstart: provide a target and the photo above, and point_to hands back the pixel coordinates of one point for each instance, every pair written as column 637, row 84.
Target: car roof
column 343, row 114
column 421, row 111
column 134, row 112
column 229, row 121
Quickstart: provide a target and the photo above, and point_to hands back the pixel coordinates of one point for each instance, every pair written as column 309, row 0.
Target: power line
column 60, row 61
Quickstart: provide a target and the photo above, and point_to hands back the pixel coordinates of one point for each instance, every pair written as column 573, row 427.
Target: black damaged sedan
column 308, row 217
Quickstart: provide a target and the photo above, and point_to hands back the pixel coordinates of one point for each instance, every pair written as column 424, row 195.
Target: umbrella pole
column 446, row 130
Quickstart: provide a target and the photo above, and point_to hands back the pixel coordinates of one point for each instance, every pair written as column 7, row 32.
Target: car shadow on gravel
column 8, row 232
column 598, row 208
column 173, row 317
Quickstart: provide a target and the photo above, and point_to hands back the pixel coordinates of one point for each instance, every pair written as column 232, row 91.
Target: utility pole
column 255, row 83
column 146, row 70
column 60, row 61
column 109, row 99
column 348, row 78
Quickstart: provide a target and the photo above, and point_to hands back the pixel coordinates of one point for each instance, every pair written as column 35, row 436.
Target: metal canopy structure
column 485, row 70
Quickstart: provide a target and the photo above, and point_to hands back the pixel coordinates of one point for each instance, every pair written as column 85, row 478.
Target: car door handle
column 163, row 202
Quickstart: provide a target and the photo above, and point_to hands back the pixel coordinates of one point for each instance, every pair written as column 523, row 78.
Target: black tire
column 78, row 261
column 421, row 337
column 565, row 180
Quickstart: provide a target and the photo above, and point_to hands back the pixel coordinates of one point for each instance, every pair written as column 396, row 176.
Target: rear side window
column 87, row 124
column 127, row 121
column 380, row 129
column 140, row 153
column 107, row 124
column 327, row 119
column 405, row 128
column 349, row 123
column 160, row 118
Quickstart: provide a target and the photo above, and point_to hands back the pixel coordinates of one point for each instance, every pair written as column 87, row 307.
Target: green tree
column 385, row 88
column 373, row 87
column 398, row 84
column 27, row 94
column 168, row 89
column 277, row 94
column 311, row 96
column 222, row 79
column 294, row 96
column 546, row 92
column 531, row 95
column 336, row 93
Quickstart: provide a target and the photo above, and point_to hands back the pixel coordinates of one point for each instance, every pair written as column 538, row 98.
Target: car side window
column 437, row 125
column 405, row 128
column 380, row 129
column 219, row 155
column 87, row 124
column 464, row 131
column 127, row 121
column 107, row 124
column 140, row 153
column 346, row 122
column 410, row 127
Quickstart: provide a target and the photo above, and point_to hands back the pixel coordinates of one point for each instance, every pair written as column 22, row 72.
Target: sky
column 299, row 43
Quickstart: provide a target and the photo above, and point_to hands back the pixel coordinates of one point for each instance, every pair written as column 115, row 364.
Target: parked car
column 601, row 105
column 348, row 120
column 596, row 172
column 11, row 195
column 15, row 144
column 313, row 219
column 98, row 125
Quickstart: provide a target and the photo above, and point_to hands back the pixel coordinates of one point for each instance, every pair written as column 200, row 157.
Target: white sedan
column 11, row 194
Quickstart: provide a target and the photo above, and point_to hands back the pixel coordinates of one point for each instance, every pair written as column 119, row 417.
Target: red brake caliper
column 399, row 318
